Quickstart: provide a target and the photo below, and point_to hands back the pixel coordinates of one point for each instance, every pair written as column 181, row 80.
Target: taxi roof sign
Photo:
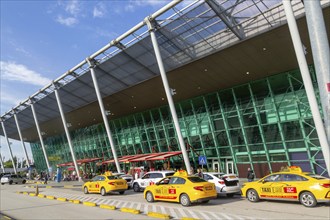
column 180, row 173
column 293, row 169
column 108, row 173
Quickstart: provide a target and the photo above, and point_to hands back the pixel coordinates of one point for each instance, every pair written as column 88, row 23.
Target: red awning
column 164, row 156
column 145, row 157
column 79, row 162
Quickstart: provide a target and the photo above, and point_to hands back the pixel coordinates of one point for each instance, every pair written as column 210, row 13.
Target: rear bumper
column 117, row 190
column 204, row 199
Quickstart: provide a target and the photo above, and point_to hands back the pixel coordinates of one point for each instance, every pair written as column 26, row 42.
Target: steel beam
column 22, row 142
column 8, row 144
column 65, row 125
column 321, row 56
column 39, row 133
column 168, row 93
column 104, row 116
column 298, row 46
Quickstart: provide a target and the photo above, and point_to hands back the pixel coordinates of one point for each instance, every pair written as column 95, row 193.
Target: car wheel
column 307, row 199
column 103, row 192
column 10, row 182
column 122, row 193
column 2, row 184
column 136, row 187
column 230, row 195
column 184, row 200
column 24, row 181
column 252, row 195
column 86, row 190
column 150, row 197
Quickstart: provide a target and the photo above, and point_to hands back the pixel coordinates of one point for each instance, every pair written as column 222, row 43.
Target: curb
column 158, row 215
column 92, row 204
column 133, row 211
column 104, row 206
column 62, row 199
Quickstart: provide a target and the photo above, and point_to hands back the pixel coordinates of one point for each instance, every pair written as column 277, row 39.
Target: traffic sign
column 202, row 160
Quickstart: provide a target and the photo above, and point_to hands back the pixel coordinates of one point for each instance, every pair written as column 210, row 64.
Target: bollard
column 37, row 190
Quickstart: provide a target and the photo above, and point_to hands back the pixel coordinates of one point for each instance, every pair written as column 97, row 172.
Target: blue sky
column 41, row 40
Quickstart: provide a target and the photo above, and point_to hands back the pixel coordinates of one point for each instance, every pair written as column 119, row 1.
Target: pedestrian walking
column 250, row 175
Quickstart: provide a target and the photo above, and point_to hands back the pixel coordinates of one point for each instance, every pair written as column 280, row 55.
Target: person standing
column 250, row 175
column 46, row 178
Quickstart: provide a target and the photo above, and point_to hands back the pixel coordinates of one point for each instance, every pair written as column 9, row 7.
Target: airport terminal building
column 238, row 93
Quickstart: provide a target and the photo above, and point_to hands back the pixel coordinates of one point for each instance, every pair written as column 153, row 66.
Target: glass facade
column 264, row 124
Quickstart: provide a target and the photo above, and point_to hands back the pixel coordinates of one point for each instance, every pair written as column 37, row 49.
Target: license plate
column 232, row 177
column 209, row 187
column 120, row 183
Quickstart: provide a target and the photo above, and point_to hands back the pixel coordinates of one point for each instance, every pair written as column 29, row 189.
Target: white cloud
column 10, row 99
column 73, row 7
column 18, row 72
column 99, row 11
column 133, row 4
column 69, row 21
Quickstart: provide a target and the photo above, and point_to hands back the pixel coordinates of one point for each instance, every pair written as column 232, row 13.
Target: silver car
column 12, row 178
column 127, row 177
column 226, row 184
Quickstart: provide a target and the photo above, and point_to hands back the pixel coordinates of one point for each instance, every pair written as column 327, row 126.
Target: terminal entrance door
column 230, row 167
column 215, row 166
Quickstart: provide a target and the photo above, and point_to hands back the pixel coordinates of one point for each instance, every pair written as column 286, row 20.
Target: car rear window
column 113, row 177
column 219, row 175
column 169, row 174
column 196, row 179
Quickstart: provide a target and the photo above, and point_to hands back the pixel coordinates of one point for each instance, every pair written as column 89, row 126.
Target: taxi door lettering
column 290, row 189
column 266, row 190
column 171, row 191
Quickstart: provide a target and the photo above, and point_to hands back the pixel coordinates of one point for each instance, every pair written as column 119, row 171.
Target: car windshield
column 315, row 176
column 196, row 179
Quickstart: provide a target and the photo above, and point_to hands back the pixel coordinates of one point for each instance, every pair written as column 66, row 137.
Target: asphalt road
column 21, row 206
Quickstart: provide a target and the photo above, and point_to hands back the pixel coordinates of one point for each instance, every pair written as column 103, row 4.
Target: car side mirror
column 264, row 181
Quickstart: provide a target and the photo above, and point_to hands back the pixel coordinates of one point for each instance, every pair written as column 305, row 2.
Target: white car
column 127, row 177
column 226, row 184
column 12, row 178
column 150, row 178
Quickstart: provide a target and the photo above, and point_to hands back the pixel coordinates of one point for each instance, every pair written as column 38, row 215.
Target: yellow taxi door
column 271, row 187
column 167, row 190
column 92, row 185
column 291, row 186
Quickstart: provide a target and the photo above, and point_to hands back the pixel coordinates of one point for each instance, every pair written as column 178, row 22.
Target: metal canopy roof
column 194, row 32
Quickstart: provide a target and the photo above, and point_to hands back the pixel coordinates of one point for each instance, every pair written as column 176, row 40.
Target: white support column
column 168, row 94
column 65, row 125
column 298, row 46
column 9, row 148
column 2, row 165
column 104, row 115
column 39, row 133
column 321, row 56
column 22, row 142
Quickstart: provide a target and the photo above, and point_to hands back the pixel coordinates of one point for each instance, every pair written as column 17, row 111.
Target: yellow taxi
column 181, row 188
column 105, row 184
column 292, row 185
